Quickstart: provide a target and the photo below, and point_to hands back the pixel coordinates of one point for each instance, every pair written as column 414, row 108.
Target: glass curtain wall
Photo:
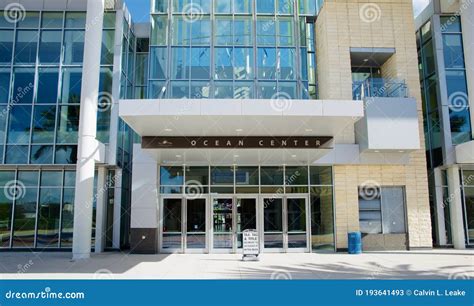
column 456, row 83
column 36, row 208
column 232, row 49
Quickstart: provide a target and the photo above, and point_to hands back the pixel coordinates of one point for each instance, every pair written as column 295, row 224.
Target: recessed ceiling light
column 294, row 156
column 239, row 130
column 236, row 156
column 178, row 156
column 168, row 130
column 377, row 151
column 401, row 151
column 309, row 130
column 366, row 60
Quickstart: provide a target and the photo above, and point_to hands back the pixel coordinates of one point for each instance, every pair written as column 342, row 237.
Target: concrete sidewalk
column 433, row 264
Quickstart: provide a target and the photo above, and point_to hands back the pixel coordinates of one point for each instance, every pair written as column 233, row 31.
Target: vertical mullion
column 38, row 188
column 61, row 204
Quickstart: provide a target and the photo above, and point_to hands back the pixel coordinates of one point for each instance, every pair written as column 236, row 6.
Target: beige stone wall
column 343, row 24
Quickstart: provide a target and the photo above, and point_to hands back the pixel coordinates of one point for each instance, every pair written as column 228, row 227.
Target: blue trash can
column 355, row 243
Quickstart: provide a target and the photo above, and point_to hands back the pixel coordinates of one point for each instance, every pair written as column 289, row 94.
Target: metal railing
column 379, row 87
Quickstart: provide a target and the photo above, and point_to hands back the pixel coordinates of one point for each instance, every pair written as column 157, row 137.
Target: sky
column 140, row 9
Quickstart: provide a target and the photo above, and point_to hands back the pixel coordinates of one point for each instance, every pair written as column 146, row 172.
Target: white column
column 455, row 208
column 101, row 210
column 81, row 246
column 467, row 20
column 440, row 217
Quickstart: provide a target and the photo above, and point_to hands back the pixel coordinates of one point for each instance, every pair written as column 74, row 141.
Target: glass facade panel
column 71, row 85
column 19, row 124
column 49, row 218
column 50, row 47
column 68, row 124
column 108, row 39
column 4, row 85
column 265, row 6
column 73, row 47
column 6, row 46
column 23, row 85
column 453, row 51
column 159, row 59
column 26, row 46
column 44, row 119
column 76, row 20
column 47, row 88
column 267, row 63
column 52, row 20
column 25, row 219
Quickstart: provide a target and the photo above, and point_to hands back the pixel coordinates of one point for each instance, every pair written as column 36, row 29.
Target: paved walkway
column 436, row 264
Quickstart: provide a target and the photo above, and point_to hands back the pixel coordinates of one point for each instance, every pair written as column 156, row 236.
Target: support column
column 455, row 208
column 467, row 21
column 101, row 210
column 87, row 143
column 144, row 206
column 439, row 207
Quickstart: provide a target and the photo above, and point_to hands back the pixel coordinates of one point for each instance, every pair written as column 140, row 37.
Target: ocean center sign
column 235, row 142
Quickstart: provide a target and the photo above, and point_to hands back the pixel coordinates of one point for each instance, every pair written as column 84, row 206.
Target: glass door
column 246, row 217
column 272, row 239
column 223, row 224
column 296, row 224
column 285, row 224
column 172, row 225
column 196, row 239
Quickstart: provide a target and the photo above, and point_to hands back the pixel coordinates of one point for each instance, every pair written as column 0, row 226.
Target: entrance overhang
column 240, row 118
